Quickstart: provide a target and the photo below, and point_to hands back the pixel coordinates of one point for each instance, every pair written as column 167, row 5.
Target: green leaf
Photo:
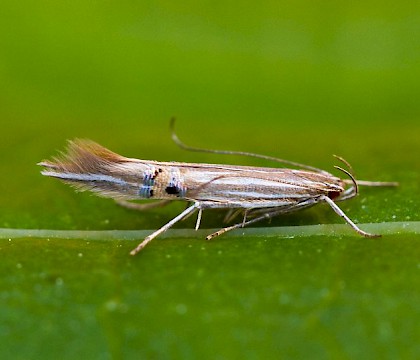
column 300, row 81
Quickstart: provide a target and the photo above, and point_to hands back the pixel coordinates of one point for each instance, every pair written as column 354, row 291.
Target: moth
column 257, row 192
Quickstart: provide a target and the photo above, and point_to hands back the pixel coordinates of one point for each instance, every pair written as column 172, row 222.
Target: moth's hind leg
column 231, row 214
column 141, row 207
column 266, row 213
column 244, row 222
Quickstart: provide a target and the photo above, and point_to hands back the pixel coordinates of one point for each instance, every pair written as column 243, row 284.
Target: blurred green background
column 300, row 81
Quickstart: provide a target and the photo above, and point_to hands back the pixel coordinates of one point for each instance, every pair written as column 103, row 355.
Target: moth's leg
column 165, row 227
column 197, row 224
column 273, row 212
column 141, row 207
column 353, row 190
column 348, row 194
column 190, row 214
column 245, row 215
column 267, row 215
column 341, row 213
column 231, row 214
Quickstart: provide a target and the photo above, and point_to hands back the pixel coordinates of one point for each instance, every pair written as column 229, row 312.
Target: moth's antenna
column 177, row 141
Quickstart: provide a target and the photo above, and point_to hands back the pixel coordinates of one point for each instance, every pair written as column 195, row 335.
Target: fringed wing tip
column 47, row 164
column 81, row 156
column 86, row 146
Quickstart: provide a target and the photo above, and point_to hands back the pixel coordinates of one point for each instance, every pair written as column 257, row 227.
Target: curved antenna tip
column 172, row 122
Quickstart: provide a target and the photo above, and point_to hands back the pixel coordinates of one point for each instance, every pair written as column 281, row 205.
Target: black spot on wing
column 172, row 190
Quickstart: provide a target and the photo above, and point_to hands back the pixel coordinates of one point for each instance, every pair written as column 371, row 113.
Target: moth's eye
column 333, row 194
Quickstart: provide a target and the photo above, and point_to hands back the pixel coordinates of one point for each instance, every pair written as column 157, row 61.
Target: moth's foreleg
column 141, row 207
column 341, row 213
column 165, row 227
column 348, row 194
